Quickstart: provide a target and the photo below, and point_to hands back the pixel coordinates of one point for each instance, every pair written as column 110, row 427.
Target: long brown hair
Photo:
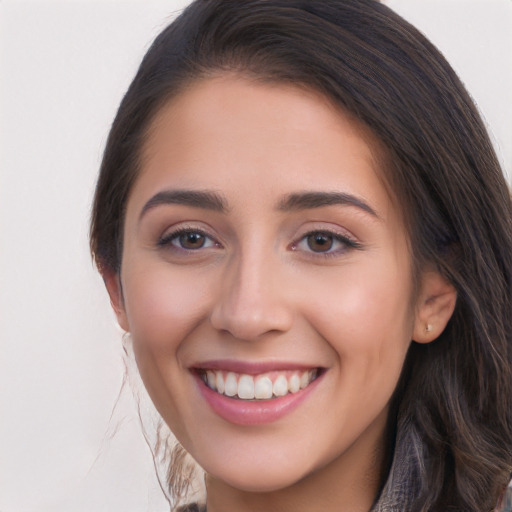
column 452, row 413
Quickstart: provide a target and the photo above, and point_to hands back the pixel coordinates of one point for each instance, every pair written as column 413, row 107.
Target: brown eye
column 188, row 240
column 320, row 242
column 326, row 243
column 191, row 240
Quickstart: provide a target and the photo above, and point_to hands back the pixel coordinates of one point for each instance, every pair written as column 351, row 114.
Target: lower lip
column 257, row 412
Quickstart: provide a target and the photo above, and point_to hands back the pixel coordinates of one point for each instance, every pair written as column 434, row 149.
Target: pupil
column 320, row 242
column 192, row 240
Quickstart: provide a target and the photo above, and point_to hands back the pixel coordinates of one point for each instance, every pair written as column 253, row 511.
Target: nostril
column 249, row 303
column 250, row 323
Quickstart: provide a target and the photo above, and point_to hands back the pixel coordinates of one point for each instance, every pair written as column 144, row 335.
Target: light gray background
column 64, row 67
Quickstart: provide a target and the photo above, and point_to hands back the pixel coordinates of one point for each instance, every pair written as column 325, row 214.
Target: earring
column 428, row 328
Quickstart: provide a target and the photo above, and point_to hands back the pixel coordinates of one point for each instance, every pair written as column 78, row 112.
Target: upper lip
column 251, row 368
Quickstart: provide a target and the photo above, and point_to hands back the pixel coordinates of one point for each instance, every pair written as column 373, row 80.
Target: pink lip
column 250, row 368
column 257, row 412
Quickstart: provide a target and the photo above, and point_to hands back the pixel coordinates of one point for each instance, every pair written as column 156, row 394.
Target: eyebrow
column 308, row 200
column 212, row 201
column 195, row 198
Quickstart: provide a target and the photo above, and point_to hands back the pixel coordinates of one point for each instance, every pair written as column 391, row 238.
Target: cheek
column 366, row 318
column 163, row 306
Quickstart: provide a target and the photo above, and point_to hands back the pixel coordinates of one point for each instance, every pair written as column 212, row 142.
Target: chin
column 259, row 478
column 270, row 482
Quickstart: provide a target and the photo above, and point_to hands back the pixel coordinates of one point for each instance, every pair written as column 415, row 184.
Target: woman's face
column 263, row 256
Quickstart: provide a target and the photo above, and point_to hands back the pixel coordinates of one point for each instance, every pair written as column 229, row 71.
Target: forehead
column 241, row 136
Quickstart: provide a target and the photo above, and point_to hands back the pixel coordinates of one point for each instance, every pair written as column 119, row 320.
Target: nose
column 252, row 299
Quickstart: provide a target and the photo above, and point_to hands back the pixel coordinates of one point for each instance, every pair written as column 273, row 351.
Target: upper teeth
column 260, row 387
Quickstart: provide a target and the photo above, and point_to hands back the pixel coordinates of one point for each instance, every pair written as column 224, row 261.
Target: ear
column 434, row 308
column 112, row 282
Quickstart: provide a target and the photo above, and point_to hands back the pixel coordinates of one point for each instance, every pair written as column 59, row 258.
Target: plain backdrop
column 63, row 70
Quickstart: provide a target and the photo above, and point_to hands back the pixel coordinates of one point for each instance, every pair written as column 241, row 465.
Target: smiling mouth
column 265, row 386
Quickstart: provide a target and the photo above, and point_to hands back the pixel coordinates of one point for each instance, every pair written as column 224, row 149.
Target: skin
column 257, row 291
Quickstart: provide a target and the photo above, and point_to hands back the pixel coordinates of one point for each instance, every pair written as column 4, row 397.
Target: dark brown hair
column 452, row 418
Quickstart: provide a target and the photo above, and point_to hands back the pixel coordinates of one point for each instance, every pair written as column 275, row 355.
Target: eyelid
column 341, row 236
column 347, row 240
column 172, row 233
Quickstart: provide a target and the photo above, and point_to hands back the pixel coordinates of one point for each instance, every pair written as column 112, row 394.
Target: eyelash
column 347, row 242
column 166, row 240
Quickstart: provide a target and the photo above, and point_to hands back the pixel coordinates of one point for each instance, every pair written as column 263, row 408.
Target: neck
column 349, row 483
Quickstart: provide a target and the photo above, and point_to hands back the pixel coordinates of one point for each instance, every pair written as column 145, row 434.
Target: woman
column 302, row 224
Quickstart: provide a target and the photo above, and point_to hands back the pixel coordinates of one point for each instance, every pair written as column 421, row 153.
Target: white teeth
column 304, row 380
column 246, row 387
column 280, row 386
column 211, row 379
column 294, row 384
column 231, row 386
column 219, row 382
column 262, row 387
